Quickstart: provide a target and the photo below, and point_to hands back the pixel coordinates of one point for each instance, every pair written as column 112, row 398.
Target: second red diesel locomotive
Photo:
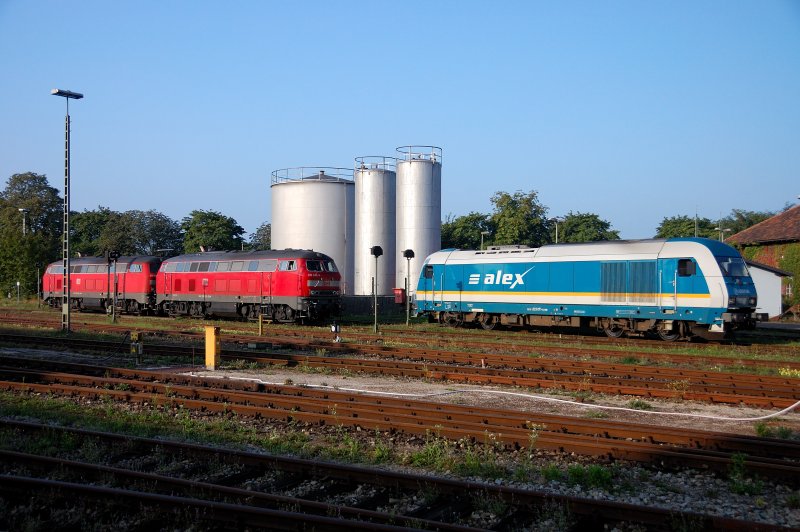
column 282, row 285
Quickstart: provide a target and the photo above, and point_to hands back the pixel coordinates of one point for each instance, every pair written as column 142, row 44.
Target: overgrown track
column 562, row 374
column 235, row 489
column 752, row 353
column 769, row 458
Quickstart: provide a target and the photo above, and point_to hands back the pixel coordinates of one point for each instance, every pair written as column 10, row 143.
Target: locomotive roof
column 102, row 260
column 604, row 247
column 250, row 255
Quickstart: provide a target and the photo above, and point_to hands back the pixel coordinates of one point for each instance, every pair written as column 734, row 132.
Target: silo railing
column 312, row 173
column 427, row 153
column 376, row 162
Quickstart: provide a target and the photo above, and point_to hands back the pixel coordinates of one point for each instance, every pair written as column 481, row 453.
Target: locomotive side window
column 194, row 266
column 170, row 267
column 223, row 266
column 237, row 265
column 179, row 266
column 287, row 266
column 428, row 271
column 686, row 267
column 252, row 266
column 212, row 266
column 268, row 265
column 203, row 267
column 92, row 268
column 136, row 268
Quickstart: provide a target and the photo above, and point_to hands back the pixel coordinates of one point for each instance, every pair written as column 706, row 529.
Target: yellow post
column 134, row 343
column 213, row 347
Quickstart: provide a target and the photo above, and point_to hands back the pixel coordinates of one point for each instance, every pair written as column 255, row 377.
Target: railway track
column 157, row 481
column 766, row 457
column 744, row 355
column 468, row 367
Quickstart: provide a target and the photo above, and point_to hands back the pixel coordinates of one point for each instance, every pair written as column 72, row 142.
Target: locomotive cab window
column 686, row 267
column 733, row 267
column 136, row 268
column 429, row 271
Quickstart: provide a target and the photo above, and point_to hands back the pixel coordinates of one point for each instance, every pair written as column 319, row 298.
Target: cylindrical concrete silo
column 375, row 223
column 419, row 209
column 312, row 208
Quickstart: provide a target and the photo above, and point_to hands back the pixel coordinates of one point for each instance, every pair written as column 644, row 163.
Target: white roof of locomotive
column 606, row 250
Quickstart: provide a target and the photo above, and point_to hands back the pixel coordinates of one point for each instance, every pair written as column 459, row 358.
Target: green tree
column 124, row 232
column 86, row 228
column 131, row 232
column 584, row 227
column 262, row 239
column 22, row 254
column 739, row 220
column 519, row 219
column 684, row 226
column 465, row 231
column 210, row 230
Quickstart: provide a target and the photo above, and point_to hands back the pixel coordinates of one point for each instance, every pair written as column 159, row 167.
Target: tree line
column 520, row 218
column 29, row 203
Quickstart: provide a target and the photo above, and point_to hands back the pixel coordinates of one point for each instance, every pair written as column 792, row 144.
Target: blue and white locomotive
column 675, row 288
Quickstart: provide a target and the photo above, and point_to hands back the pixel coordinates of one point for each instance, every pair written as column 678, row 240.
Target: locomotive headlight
column 752, row 301
column 732, row 301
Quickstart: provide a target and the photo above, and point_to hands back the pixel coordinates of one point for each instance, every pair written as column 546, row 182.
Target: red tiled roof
column 783, row 227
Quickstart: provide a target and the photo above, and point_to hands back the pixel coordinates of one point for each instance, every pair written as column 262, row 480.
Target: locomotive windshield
column 733, row 267
column 320, row 266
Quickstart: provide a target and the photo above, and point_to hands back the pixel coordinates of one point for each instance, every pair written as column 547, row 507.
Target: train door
column 453, row 287
column 266, row 288
column 668, row 285
column 676, row 279
column 427, row 286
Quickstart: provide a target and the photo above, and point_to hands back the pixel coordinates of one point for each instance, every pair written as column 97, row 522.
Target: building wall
column 768, row 286
column 783, row 256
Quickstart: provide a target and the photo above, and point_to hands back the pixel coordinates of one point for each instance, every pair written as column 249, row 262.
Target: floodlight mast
column 65, row 274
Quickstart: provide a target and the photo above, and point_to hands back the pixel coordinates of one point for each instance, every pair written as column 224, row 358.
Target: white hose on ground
column 537, row 397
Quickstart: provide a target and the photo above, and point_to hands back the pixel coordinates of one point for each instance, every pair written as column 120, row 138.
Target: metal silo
column 312, row 208
column 419, row 209
column 375, row 223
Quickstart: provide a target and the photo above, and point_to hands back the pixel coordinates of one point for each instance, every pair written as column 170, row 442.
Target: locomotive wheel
column 614, row 331
column 283, row 313
column 488, row 321
column 670, row 336
column 452, row 319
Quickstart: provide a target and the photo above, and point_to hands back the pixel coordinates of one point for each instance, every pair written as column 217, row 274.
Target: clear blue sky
column 631, row 110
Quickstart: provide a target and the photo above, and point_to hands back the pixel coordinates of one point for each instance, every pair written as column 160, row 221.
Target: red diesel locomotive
column 94, row 285
column 282, row 285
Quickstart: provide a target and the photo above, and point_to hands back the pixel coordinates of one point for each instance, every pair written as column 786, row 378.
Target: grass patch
column 639, row 404
column 738, row 480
